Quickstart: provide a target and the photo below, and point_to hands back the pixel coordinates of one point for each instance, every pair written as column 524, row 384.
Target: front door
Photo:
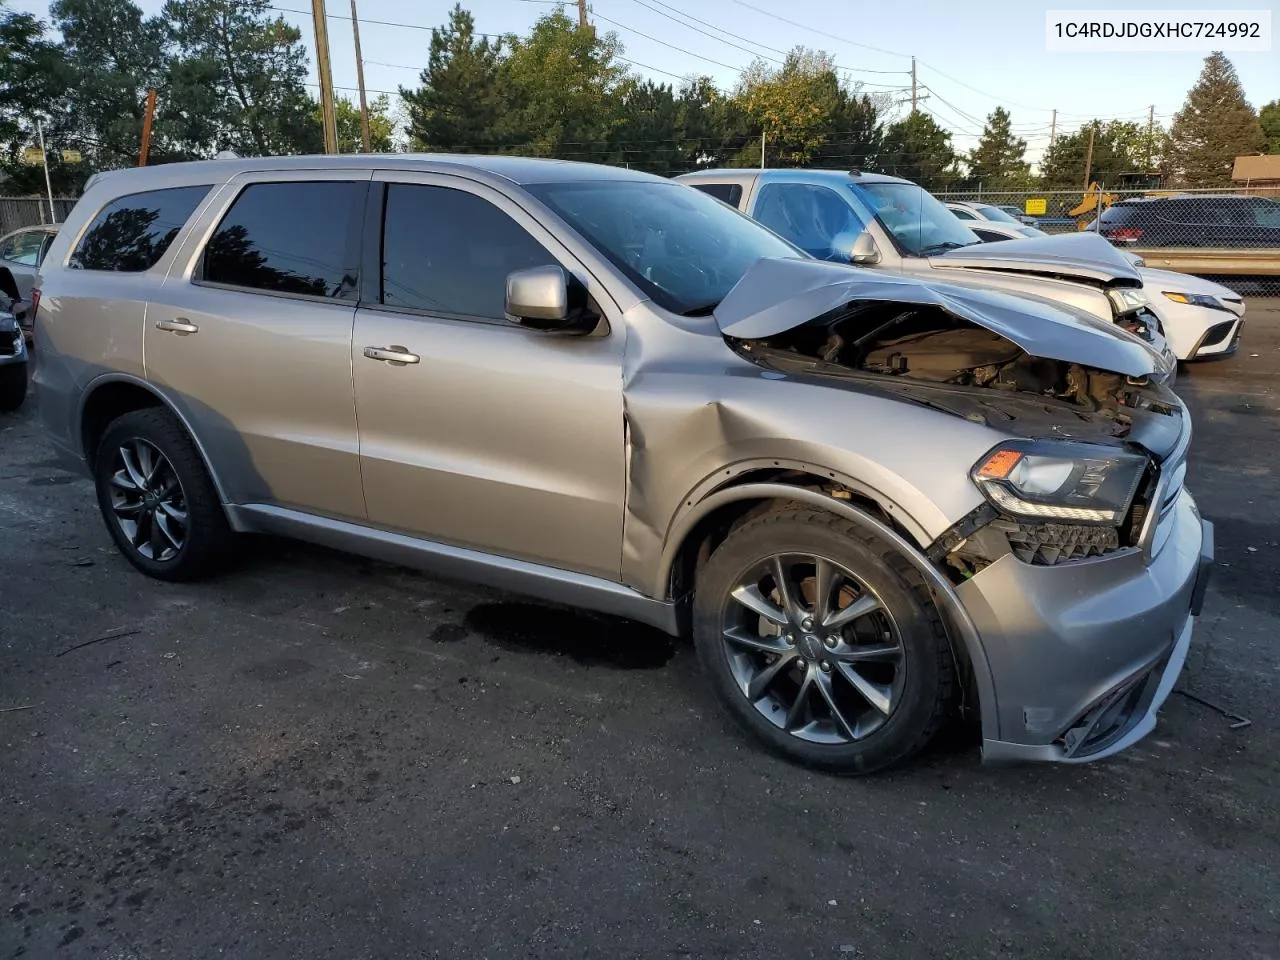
column 475, row 431
column 251, row 336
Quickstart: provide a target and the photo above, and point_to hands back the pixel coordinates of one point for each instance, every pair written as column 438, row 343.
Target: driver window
column 809, row 216
column 446, row 251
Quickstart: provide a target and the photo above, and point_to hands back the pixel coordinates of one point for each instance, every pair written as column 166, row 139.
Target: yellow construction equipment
column 1094, row 202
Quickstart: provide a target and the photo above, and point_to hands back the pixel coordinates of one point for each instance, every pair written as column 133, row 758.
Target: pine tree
column 1269, row 116
column 997, row 161
column 459, row 106
column 919, row 150
column 1215, row 126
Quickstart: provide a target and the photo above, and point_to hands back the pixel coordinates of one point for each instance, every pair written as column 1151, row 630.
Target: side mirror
column 864, row 250
column 546, row 298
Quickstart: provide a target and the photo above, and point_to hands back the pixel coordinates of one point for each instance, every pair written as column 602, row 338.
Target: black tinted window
column 289, row 238
column 730, row 193
column 449, row 252
column 131, row 233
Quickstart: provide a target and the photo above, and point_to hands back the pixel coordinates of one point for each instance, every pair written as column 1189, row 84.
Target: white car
column 969, row 210
column 1201, row 319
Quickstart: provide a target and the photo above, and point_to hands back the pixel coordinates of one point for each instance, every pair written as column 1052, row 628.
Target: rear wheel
column 823, row 643
column 157, row 499
column 13, row 386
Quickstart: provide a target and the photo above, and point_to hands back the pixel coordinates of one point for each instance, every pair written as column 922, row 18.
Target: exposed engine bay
column 905, row 348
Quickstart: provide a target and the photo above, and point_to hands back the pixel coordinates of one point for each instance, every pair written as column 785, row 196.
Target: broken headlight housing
column 1127, row 299
column 1057, row 480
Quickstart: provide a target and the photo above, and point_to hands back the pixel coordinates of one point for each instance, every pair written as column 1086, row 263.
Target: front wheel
column 13, row 386
column 823, row 642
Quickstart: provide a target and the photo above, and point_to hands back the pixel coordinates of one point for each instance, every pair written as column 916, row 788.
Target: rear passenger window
column 292, row 238
column 131, row 233
column 730, row 193
column 449, row 252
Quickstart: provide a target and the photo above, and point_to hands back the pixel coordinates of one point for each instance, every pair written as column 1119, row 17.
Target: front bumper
column 1083, row 654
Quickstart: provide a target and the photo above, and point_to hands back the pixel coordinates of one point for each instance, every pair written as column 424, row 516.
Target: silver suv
column 872, row 500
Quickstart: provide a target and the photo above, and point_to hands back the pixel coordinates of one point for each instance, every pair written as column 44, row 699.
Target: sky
column 971, row 57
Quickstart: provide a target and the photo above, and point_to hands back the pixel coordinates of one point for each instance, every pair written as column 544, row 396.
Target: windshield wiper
column 942, row 247
column 702, row 310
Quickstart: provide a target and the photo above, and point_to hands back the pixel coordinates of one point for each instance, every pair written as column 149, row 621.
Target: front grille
column 1048, row 544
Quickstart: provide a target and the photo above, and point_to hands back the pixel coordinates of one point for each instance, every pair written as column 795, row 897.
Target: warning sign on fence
column 1037, row 206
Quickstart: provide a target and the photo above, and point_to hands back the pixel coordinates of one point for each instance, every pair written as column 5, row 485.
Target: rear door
column 475, row 431
column 251, row 337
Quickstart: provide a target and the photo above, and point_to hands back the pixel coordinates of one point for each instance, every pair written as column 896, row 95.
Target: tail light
column 35, row 302
column 1129, row 234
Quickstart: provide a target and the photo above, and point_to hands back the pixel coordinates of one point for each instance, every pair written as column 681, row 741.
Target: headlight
column 1125, row 299
column 1196, row 300
column 1060, row 480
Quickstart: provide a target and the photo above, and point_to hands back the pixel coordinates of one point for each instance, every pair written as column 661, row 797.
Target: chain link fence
column 18, row 212
column 1229, row 235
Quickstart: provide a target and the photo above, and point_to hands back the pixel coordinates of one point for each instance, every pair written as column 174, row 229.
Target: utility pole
column 1088, row 157
column 44, row 160
column 1151, row 126
column 146, row 128
column 1053, row 127
column 582, row 13
column 761, row 148
column 364, row 103
column 326, row 76
column 913, row 85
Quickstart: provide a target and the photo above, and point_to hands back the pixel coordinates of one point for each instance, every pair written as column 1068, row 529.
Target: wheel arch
column 705, row 522
column 114, row 395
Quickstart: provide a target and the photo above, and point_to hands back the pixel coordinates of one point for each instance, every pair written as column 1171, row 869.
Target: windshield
column 921, row 226
column 680, row 246
column 996, row 214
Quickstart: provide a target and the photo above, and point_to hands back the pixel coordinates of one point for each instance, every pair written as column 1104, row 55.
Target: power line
column 822, row 33
column 737, row 36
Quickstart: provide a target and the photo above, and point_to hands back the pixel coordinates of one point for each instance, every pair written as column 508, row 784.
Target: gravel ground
column 319, row 756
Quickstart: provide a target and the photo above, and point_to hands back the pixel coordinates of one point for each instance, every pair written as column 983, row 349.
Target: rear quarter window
column 730, row 193
column 132, row 232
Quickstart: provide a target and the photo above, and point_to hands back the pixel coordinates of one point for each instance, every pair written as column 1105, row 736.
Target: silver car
column 893, row 225
column 872, row 500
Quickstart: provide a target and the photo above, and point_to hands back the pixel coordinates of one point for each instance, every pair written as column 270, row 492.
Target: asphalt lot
column 319, row 756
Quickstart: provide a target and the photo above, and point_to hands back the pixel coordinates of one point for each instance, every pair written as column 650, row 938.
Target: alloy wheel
column 813, row 649
column 148, row 501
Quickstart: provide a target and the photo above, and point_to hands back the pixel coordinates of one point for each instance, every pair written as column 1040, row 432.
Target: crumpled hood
column 1085, row 255
column 776, row 295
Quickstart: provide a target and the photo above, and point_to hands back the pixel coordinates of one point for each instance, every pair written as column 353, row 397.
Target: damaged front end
column 1086, row 406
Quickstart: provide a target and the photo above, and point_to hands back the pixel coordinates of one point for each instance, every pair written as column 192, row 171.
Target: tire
column 13, row 386
column 905, row 684
column 167, row 548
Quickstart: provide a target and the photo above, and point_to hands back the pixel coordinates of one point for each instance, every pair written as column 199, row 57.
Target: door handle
column 182, row 326
column 393, row 354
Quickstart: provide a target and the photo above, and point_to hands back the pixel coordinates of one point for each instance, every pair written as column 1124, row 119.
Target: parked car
column 1201, row 320
column 868, row 497
column 893, row 225
column 1194, row 220
column 22, row 252
column 970, row 210
column 13, row 350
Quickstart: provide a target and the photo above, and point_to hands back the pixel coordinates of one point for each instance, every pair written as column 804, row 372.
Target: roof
column 801, row 175
column 521, row 170
column 1257, row 168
